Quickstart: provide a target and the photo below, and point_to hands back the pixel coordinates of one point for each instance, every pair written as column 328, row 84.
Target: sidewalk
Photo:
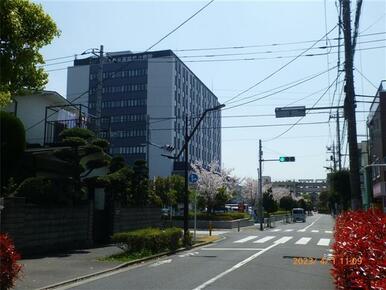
column 49, row 269
column 45, row 270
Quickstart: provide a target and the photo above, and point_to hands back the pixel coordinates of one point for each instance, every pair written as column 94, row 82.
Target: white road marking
column 161, row 263
column 282, row 240
column 265, row 239
column 301, row 231
column 328, row 232
column 232, row 249
column 188, row 254
column 289, row 230
column 238, row 265
column 245, row 239
column 315, row 231
column 276, row 230
column 310, row 225
column 323, row 242
column 303, row 241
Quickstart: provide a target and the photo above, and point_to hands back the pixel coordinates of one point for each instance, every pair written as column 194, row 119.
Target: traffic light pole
column 261, row 187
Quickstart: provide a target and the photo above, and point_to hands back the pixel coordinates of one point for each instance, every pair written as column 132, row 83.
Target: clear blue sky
column 130, row 25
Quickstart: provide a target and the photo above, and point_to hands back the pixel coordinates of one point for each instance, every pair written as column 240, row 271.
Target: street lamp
column 186, row 161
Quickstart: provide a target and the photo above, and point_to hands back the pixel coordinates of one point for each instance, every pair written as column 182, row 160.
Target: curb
column 124, row 265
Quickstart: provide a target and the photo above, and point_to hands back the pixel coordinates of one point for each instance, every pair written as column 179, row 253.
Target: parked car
column 298, row 214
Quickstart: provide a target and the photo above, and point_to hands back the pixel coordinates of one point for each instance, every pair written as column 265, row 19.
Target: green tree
column 83, row 154
column 287, row 203
column 12, row 145
column 340, row 188
column 269, row 204
column 25, row 28
column 140, row 183
column 323, row 204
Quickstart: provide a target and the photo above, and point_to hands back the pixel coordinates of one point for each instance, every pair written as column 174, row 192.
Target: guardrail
column 270, row 222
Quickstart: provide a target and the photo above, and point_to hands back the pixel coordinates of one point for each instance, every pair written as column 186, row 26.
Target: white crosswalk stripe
column 283, row 240
column 301, row 231
column 323, row 242
column 265, row 239
column 315, row 231
column 246, row 239
column 328, row 232
column 303, row 241
column 276, row 230
column 289, row 230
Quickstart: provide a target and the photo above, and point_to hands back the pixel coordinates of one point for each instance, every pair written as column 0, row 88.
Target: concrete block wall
column 35, row 229
column 126, row 219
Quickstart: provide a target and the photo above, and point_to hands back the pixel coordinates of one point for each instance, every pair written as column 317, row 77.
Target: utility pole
column 98, row 104
column 333, row 156
column 186, row 195
column 338, row 140
column 349, row 110
column 261, row 214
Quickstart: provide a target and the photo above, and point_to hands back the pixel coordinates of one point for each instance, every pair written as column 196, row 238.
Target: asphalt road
column 286, row 257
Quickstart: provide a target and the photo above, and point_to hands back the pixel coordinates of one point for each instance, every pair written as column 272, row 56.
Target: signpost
column 285, row 112
column 193, row 178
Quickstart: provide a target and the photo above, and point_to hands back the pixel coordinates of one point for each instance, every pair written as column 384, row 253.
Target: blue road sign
column 193, row 177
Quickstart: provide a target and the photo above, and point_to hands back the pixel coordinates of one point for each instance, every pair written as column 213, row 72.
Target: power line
column 297, row 122
column 279, row 69
column 265, row 45
column 274, row 93
column 175, row 29
column 281, row 86
column 356, row 69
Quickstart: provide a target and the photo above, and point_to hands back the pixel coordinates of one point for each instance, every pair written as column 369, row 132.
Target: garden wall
column 204, row 224
column 125, row 219
column 35, row 229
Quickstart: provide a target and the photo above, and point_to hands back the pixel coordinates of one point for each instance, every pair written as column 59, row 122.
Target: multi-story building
column 376, row 123
column 145, row 97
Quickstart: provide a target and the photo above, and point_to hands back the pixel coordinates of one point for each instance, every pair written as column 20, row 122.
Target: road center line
column 310, row 225
column 235, row 267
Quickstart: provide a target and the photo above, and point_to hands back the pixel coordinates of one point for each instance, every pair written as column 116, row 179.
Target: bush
column 47, row 191
column 149, row 239
column 360, row 250
column 12, row 136
column 228, row 216
column 77, row 132
column 9, row 268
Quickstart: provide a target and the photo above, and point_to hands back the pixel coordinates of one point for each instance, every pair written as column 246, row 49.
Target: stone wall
column 125, row 219
column 35, row 229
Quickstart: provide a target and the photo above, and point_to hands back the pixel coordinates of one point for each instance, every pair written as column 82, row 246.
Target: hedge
column 228, row 216
column 149, row 239
column 359, row 260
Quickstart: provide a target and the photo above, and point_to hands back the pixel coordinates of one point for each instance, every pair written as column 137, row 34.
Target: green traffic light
column 282, row 159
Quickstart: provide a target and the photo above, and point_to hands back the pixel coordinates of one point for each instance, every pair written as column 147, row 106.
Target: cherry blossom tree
column 214, row 181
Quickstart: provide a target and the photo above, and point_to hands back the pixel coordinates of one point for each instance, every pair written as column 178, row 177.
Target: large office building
column 144, row 98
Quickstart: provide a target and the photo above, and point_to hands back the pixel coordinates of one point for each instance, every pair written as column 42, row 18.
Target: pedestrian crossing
column 300, row 231
column 301, row 241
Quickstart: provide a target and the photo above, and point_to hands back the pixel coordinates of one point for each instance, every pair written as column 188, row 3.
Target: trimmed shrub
column 102, row 143
column 77, row 132
column 359, row 260
column 150, row 239
column 47, row 191
column 9, row 268
column 228, row 216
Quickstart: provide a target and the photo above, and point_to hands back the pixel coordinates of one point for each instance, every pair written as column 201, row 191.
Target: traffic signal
column 286, row 158
column 169, row 148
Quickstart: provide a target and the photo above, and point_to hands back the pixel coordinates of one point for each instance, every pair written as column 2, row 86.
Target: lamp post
column 184, row 149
